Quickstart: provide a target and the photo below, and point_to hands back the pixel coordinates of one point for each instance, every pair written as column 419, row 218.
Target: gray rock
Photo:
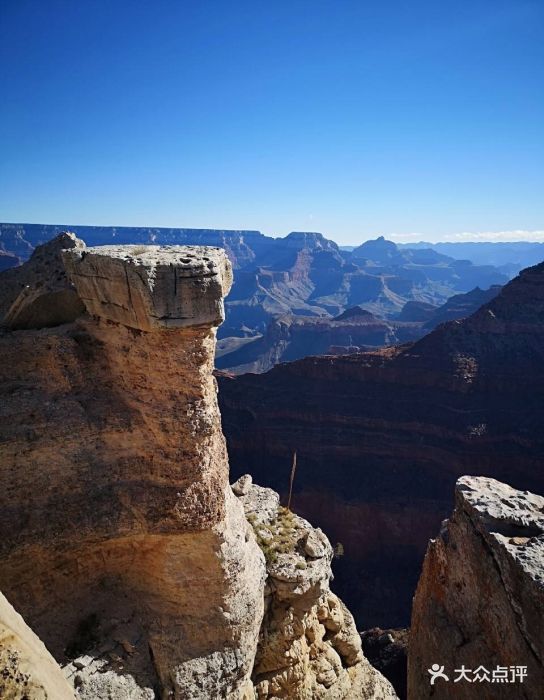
column 480, row 597
column 242, row 486
column 148, row 287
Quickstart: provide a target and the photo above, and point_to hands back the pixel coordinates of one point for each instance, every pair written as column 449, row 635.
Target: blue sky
column 408, row 119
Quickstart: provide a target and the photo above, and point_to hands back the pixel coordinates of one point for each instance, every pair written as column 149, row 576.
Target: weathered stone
column 480, row 598
column 114, row 497
column 314, row 544
column 242, row 486
column 39, row 294
column 27, row 669
column 120, row 538
column 309, row 647
column 149, row 287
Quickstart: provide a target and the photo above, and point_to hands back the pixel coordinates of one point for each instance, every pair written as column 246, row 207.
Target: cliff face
column 121, row 542
column 120, row 535
column 480, row 598
column 292, row 337
column 382, row 437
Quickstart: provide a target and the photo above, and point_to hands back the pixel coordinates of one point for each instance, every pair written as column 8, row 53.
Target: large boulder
column 479, row 603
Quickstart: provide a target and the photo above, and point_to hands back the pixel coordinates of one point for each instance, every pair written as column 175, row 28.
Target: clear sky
column 408, row 118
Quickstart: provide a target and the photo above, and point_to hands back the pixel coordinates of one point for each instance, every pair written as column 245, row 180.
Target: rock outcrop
column 121, row 541
column 382, row 437
column 309, row 648
column 480, row 598
column 27, row 669
column 39, row 294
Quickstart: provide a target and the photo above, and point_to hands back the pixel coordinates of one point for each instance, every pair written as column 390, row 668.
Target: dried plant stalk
column 291, row 480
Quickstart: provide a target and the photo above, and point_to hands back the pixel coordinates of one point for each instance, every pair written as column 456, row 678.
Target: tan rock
column 480, row 597
column 117, row 522
column 38, row 294
column 27, row 669
column 150, row 287
column 309, row 646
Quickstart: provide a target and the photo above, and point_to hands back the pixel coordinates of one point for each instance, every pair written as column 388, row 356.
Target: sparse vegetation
column 138, row 250
column 338, row 550
column 281, row 536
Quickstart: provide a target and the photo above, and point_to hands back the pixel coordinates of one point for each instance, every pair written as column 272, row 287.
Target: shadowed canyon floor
column 382, row 437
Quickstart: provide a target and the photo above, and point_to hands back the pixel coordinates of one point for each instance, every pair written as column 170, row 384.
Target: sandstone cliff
column 480, row 598
column 121, row 542
column 382, row 437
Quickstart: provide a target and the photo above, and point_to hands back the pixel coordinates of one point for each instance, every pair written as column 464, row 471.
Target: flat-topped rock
column 150, row 287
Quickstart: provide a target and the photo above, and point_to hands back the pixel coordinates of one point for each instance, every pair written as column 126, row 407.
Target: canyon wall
column 382, row 437
column 479, row 604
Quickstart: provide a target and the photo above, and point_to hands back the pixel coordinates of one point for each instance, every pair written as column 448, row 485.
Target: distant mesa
column 353, row 313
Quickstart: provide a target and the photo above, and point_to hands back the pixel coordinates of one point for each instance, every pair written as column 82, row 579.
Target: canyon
column 122, row 544
column 303, row 274
column 381, row 437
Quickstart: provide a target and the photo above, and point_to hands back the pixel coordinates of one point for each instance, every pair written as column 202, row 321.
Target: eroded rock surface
column 309, row 648
column 121, row 542
column 150, row 287
column 39, row 293
column 27, row 669
column 480, row 598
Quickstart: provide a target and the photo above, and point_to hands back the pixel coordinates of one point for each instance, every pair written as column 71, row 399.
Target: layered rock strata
column 309, row 647
column 121, row 542
column 382, row 437
column 480, row 599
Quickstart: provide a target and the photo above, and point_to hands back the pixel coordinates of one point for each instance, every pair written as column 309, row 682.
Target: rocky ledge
column 480, row 598
column 309, row 647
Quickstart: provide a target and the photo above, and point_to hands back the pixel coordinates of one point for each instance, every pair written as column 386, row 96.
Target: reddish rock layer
column 382, row 437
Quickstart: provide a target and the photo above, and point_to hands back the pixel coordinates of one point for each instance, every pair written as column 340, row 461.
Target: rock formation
column 382, row 437
column 480, row 598
column 120, row 535
column 121, row 542
column 290, row 338
column 39, row 294
column 27, row 669
column 309, row 648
